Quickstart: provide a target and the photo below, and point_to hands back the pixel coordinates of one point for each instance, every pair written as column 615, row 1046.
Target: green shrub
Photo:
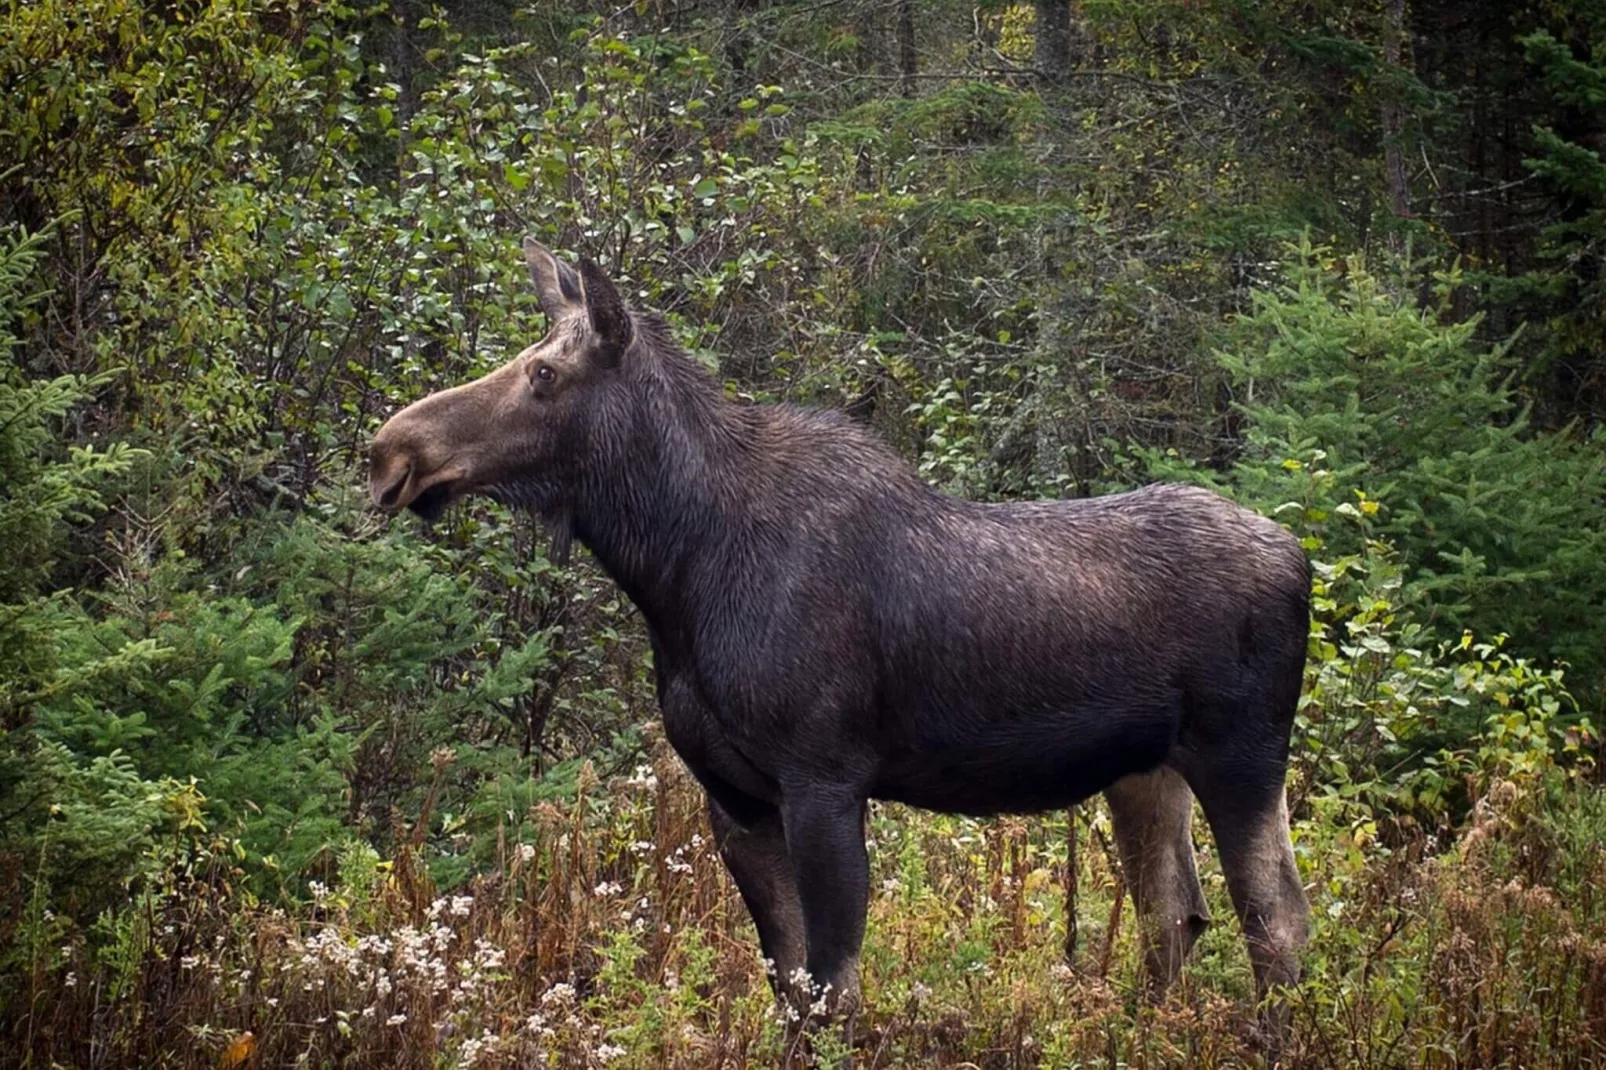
column 1497, row 525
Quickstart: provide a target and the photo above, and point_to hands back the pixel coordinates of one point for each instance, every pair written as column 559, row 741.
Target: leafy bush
column 1392, row 717
column 1496, row 524
column 72, row 825
column 286, row 699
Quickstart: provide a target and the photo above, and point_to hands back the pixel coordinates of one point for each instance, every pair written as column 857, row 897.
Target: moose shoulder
column 828, row 629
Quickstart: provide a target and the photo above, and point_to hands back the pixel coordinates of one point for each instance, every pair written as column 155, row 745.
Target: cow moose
column 827, row 629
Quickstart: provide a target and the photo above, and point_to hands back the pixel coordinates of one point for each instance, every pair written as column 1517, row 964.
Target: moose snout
column 393, row 464
column 408, row 468
column 386, row 483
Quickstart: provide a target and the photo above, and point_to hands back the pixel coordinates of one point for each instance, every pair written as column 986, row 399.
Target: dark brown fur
column 828, row 629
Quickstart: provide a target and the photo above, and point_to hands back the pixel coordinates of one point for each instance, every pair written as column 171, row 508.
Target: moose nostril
column 390, row 494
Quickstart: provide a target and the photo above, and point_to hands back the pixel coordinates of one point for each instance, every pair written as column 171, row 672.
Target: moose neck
column 658, row 497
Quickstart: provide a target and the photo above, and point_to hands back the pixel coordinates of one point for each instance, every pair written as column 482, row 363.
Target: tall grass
column 612, row 937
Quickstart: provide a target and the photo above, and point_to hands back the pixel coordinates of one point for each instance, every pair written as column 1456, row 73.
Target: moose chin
column 827, row 629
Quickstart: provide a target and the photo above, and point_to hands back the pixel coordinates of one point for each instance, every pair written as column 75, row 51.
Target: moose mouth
column 432, row 502
column 428, row 503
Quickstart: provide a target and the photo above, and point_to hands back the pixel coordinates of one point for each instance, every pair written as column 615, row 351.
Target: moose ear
column 610, row 320
column 556, row 285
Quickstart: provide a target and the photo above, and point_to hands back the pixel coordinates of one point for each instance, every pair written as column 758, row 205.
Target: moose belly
column 1045, row 762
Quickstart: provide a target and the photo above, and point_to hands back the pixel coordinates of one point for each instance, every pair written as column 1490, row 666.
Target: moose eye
column 545, row 373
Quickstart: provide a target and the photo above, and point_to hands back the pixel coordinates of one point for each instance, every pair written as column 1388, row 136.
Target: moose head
column 521, row 434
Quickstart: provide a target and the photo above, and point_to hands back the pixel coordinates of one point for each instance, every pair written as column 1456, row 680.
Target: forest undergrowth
column 613, row 937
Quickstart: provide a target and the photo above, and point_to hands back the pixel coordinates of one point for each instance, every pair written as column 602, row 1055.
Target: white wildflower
column 819, row 1006
column 474, row 1047
column 557, row 995
column 487, row 956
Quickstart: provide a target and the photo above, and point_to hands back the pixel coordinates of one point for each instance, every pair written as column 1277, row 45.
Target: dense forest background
column 283, row 783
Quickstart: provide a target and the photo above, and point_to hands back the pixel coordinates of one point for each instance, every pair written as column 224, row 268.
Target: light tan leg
column 1152, row 814
column 1258, row 859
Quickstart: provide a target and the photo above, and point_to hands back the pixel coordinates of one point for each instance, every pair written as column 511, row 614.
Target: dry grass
column 612, row 937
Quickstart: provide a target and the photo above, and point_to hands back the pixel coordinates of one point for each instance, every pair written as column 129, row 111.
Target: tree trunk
column 405, row 16
column 1052, row 47
column 906, row 47
column 1393, row 111
column 872, row 41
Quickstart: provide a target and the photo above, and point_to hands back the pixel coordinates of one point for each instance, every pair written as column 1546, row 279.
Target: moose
column 828, row 629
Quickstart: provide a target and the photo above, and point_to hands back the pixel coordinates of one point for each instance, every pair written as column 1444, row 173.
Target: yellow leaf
column 238, row 1052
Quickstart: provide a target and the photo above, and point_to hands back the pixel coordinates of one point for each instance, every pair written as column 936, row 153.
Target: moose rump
column 1037, row 653
column 828, row 629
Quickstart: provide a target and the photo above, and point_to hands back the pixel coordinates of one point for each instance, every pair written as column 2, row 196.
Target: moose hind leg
column 755, row 854
column 1152, row 814
column 1249, row 816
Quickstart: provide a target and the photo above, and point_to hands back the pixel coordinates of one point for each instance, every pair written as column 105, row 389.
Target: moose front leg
column 754, row 851
column 825, row 837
